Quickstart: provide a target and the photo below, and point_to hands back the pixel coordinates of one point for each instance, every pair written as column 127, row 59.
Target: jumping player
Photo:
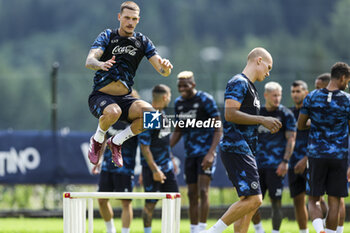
column 115, row 55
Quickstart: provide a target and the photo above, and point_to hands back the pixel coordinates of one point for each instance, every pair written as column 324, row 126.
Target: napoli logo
column 254, row 185
column 103, row 103
column 151, row 120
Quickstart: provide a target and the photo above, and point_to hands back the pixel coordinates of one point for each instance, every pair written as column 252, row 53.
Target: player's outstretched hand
column 271, row 123
column 108, row 64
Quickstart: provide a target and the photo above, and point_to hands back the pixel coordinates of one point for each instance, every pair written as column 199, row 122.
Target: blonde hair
column 273, row 86
column 185, row 75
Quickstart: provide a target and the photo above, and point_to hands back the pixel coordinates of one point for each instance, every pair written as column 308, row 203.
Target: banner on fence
column 42, row 157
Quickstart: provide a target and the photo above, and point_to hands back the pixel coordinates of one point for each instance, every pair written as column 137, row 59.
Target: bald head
column 259, row 52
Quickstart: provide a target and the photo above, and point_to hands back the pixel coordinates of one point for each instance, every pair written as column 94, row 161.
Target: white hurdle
column 74, row 209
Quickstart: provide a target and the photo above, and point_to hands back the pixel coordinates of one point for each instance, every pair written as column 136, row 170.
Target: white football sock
column 219, row 227
column 147, row 230
column 125, row 230
column 259, row 228
column 123, row 136
column 110, row 226
column 99, row 136
column 330, row 231
column 340, row 229
column 304, row 231
column 318, row 225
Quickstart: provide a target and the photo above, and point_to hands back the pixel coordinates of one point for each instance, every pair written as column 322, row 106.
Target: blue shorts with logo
column 98, row 101
column 270, row 181
column 193, row 168
column 169, row 185
column 243, row 173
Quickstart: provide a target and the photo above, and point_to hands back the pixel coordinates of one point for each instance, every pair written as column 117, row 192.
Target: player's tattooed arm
column 93, row 61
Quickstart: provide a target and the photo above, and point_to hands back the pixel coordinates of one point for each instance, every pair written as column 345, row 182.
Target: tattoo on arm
column 92, row 61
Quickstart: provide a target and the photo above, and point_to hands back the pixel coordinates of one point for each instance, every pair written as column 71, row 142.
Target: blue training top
column 128, row 52
column 300, row 147
column 159, row 142
column 271, row 147
column 329, row 112
column 241, row 139
column 201, row 107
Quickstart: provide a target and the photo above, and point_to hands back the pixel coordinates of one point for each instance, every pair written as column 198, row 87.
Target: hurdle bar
column 74, row 209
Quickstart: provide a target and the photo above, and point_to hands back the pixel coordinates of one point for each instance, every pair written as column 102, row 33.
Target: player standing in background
column 329, row 111
column 322, row 82
column 115, row 55
column 200, row 145
column 238, row 145
column 114, row 179
column 157, row 166
column 273, row 153
column 298, row 161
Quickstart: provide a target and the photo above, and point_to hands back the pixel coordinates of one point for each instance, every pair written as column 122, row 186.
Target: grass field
column 55, row 225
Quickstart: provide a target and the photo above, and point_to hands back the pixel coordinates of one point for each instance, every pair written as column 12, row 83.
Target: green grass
column 55, row 225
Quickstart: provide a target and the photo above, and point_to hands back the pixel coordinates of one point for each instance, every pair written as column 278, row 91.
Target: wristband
column 285, row 160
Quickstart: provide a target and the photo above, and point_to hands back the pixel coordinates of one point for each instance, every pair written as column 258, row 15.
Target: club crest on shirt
column 256, row 103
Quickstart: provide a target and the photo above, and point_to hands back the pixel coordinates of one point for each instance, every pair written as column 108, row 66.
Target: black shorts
column 243, row 173
column 169, row 185
column 98, row 101
column 193, row 168
column 270, row 181
column 327, row 176
column 297, row 182
column 115, row 182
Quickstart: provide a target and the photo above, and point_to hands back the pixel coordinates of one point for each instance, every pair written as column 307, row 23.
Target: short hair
column 339, row 69
column 325, row 77
column 300, row 83
column 185, row 75
column 259, row 52
column 129, row 5
column 272, row 86
column 160, row 90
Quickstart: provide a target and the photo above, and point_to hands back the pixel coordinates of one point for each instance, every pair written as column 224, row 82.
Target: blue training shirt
column 241, row 139
column 329, row 112
column 129, row 149
column 201, row 107
column 128, row 52
column 159, row 142
column 300, row 148
column 271, row 147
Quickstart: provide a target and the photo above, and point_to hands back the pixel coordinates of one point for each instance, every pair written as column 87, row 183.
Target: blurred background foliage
column 211, row 38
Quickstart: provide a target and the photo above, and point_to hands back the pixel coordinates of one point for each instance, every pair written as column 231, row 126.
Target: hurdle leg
column 66, row 215
column 91, row 215
column 177, row 214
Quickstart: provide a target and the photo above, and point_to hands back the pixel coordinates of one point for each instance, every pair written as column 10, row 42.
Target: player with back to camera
column 239, row 142
column 329, row 111
column 322, row 82
column 115, row 55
